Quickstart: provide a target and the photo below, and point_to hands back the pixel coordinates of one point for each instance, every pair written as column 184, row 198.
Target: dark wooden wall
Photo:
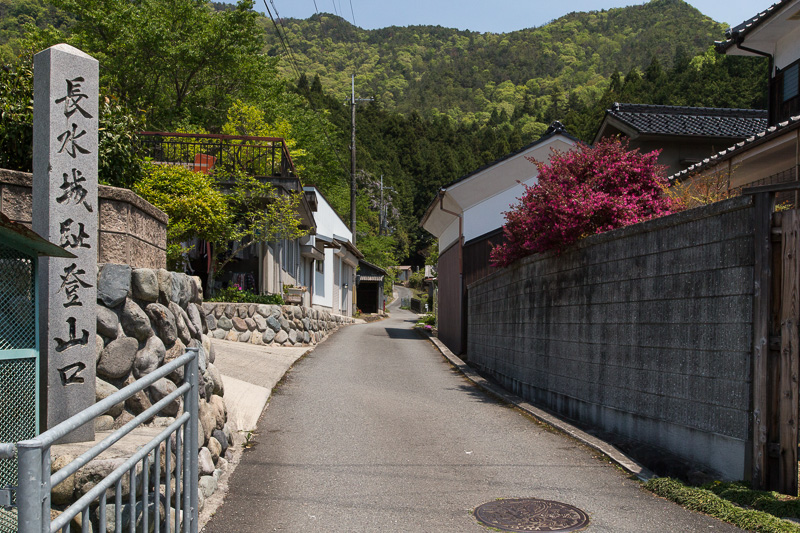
column 476, row 256
column 451, row 292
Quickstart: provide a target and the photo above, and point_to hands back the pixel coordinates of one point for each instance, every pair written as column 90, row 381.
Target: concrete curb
column 622, row 460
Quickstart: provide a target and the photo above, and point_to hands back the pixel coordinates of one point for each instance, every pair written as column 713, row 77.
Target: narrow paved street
column 374, row 431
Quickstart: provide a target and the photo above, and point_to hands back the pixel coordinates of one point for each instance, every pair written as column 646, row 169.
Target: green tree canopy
column 181, row 60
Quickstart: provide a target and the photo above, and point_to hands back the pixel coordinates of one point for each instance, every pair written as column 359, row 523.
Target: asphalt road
column 374, row 432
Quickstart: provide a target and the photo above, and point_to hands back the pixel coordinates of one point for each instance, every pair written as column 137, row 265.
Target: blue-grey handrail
column 33, row 455
column 87, row 415
column 8, row 451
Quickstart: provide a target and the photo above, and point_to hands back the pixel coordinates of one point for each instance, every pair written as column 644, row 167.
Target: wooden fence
column 776, row 362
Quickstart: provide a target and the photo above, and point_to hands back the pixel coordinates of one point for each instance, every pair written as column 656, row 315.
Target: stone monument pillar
column 65, row 211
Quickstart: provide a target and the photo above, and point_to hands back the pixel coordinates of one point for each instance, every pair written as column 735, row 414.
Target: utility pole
column 383, row 207
column 353, row 102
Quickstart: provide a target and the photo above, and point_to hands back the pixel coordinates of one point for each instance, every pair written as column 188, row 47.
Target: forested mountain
column 16, row 15
column 450, row 101
column 469, row 75
column 446, row 101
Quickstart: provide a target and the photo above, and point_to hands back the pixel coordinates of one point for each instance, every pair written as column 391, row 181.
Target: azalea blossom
column 588, row 190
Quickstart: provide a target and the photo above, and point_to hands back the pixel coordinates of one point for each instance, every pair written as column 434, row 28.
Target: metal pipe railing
column 117, row 474
column 256, row 156
column 33, row 461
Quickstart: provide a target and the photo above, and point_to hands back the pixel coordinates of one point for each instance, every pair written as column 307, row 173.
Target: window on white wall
column 790, row 81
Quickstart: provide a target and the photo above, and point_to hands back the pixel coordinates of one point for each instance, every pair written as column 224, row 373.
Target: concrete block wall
column 644, row 332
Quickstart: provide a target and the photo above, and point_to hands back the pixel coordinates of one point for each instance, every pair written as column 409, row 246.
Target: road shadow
column 479, row 395
column 402, row 333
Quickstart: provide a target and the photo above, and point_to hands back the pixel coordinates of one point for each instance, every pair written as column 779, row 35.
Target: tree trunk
column 212, row 263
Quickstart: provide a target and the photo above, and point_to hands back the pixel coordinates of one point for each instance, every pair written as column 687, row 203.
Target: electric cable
column 289, row 54
column 353, row 13
column 293, row 62
column 286, row 37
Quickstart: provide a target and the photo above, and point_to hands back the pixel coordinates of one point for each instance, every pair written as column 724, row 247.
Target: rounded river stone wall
column 272, row 325
column 145, row 319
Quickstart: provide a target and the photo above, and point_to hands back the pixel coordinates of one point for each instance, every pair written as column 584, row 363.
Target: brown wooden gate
column 776, row 342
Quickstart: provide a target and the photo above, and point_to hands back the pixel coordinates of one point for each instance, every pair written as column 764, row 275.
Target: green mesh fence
column 17, row 421
column 18, row 380
column 17, row 301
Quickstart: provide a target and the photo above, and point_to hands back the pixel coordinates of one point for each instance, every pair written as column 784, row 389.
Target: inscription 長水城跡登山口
column 66, row 101
column 73, row 234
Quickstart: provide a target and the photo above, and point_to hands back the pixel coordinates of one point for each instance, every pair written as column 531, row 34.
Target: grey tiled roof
column 690, row 121
column 740, row 31
column 761, row 137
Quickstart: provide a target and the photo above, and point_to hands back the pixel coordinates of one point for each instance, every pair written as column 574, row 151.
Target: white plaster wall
column 787, row 50
column 335, row 284
column 488, row 215
column 328, row 224
column 323, row 283
column 327, row 221
column 449, row 236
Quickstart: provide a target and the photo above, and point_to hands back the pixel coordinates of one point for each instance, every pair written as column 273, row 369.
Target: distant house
column 685, row 135
column 770, row 156
column 335, row 258
column 467, row 218
column 369, row 281
column 262, row 268
column 403, row 274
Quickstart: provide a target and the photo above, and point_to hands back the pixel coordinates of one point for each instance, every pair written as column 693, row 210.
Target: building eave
column 741, row 147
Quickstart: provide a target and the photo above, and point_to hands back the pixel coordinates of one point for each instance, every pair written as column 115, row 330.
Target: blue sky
column 497, row 16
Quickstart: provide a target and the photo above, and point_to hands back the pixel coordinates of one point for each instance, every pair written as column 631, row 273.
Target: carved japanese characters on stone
column 66, row 99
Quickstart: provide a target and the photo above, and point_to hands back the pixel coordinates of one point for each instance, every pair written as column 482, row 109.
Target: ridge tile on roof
column 769, row 133
column 737, row 33
column 690, row 121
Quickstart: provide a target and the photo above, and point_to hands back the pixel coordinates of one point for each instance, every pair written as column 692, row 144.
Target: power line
column 283, row 39
column 285, row 34
column 293, row 63
column 352, row 13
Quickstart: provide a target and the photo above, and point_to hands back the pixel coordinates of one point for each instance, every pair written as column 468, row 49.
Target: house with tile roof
column 769, row 156
column 685, row 135
column 467, row 217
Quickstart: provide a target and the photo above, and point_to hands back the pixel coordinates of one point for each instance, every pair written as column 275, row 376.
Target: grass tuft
column 723, row 500
column 773, row 503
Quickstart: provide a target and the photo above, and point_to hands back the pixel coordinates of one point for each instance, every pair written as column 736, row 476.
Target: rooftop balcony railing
column 261, row 157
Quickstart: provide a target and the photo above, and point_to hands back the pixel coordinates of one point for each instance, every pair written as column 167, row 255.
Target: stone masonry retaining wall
column 132, row 231
column 287, row 325
column 644, row 332
column 145, row 319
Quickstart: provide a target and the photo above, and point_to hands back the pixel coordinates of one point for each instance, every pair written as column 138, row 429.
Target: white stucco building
column 335, row 258
column 467, row 216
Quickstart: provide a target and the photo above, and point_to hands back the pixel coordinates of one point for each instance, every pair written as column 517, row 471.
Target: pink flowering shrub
column 588, row 190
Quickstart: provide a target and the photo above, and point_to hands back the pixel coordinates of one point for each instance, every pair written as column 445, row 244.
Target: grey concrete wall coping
column 676, row 219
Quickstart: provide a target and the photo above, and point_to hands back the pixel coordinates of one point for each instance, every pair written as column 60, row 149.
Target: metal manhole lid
column 531, row 514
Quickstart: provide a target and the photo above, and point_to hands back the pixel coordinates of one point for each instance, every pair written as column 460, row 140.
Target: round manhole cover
column 531, row 514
